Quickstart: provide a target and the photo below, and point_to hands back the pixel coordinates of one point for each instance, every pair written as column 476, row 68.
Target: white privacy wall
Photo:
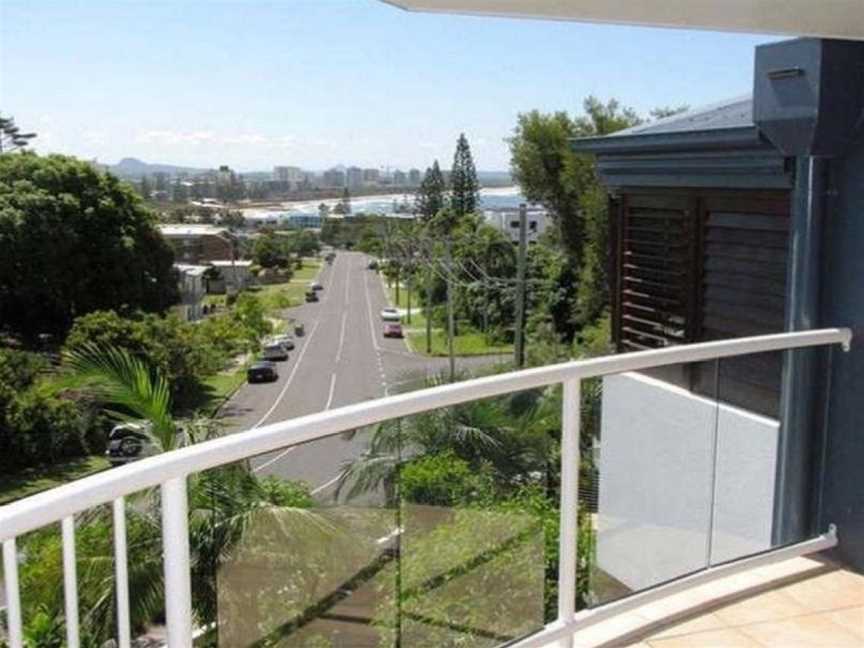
column 656, row 459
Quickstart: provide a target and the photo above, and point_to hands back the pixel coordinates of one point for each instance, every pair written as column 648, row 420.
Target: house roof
column 191, row 230
column 723, row 125
column 732, row 113
column 712, row 146
column 191, row 270
column 227, row 263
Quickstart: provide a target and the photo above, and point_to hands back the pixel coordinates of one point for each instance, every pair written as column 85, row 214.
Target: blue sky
column 316, row 83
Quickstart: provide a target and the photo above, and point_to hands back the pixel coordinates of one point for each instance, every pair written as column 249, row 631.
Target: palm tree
column 128, row 387
column 223, row 504
column 510, row 434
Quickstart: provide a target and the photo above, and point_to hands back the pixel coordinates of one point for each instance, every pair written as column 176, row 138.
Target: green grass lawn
column 276, row 297
column 418, row 319
column 34, row 480
column 466, row 344
column 310, row 268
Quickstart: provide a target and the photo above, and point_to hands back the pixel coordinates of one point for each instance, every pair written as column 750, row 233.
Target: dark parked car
column 263, row 371
column 130, row 442
column 393, row 330
column 373, row 265
column 311, row 296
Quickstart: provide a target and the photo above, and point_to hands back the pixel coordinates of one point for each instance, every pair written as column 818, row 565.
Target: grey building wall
column 843, row 305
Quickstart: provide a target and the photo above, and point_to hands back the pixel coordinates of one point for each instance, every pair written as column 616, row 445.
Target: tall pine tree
column 429, row 199
column 464, row 188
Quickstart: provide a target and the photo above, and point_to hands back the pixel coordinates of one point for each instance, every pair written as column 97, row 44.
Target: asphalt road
column 342, row 359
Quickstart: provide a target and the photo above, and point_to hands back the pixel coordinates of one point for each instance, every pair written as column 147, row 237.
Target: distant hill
column 135, row 168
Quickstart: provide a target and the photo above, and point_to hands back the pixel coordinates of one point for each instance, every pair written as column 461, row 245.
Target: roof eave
column 712, row 139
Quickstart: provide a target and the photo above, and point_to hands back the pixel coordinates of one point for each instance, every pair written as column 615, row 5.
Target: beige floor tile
column 727, row 638
column 827, row 592
column 815, row 630
column 768, row 606
column 701, row 623
column 851, row 618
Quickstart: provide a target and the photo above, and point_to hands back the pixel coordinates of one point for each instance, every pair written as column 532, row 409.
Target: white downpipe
column 175, row 547
column 13, row 596
column 70, row 582
column 121, row 573
column 44, row 508
column 568, row 534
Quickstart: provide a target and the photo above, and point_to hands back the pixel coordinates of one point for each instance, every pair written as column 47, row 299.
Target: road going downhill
column 342, row 359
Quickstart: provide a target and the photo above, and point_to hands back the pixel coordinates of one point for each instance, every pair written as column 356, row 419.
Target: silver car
column 274, row 352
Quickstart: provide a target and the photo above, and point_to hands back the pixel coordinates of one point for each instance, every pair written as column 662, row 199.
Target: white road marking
column 342, row 337
column 326, row 485
column 287, row 384
column 332, row 390
column 369, row 310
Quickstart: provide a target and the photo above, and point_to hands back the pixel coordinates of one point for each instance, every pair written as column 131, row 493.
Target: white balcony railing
column 170, row 470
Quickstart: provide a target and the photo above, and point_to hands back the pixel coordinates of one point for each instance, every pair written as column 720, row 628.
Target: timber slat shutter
column 700, row 265
column 656, row 274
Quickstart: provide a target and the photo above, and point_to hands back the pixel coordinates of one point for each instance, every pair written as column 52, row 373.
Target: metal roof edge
column 710, row 139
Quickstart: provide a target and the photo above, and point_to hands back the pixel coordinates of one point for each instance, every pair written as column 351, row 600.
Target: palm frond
column 129, row 387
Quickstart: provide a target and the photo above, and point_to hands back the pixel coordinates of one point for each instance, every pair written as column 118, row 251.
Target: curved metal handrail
column 53, row 505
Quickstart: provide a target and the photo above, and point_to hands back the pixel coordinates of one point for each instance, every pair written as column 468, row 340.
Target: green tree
column 430, row 197
column 74, row 240
column 179, row 350
column 551, row 173
column 464, row 188
column 270, row 251
column 11, row 137
column 662, row 112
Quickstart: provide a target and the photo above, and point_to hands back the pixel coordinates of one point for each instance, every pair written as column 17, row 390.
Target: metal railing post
column 121, row 573
column 568, row 538
column 175, row 547
column 70, row 582
column 15, row 635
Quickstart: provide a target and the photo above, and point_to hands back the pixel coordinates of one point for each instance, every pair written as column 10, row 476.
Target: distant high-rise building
column 371, row 176
column 399, row 178
column 414, row 177
column 354, row 177
column 290, row 174
column 334, row 178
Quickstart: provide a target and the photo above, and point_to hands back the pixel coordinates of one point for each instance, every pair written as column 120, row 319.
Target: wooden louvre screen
column 696, row 266
column 656, row 273
column 746, row 240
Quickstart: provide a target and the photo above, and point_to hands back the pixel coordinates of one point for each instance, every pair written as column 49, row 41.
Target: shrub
column 442, row 480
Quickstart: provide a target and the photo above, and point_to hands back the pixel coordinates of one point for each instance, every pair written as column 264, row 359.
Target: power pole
column 429, row 309
column 451, row 322
column 519, row 346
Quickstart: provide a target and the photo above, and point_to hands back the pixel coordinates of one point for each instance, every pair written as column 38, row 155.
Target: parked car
column 315, row 286
column 373, row 265
column 390, row 315
column 274, row 352
column 130, row 442
column 285, row 340
column 392, row 330
column 263, row 371
column 311, row 296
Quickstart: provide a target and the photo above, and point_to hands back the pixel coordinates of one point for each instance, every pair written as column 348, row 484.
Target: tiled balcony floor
column 800, row 603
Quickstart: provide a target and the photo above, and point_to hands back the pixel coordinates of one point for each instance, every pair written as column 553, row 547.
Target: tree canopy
column 464, row 188
column 431, row 193
column 74, row 240
column 11, row 137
